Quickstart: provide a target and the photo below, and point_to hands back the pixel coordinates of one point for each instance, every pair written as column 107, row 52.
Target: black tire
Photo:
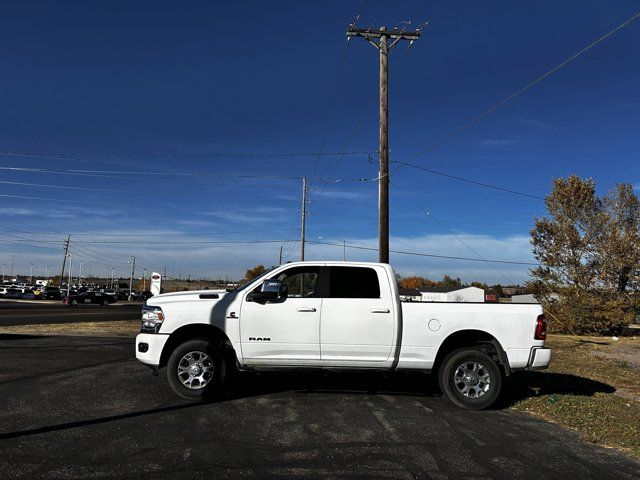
column 470, row 378
column 74, row 303
column 211, row 358
column 105, row 302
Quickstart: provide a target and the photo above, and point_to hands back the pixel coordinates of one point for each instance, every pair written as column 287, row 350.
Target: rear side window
column 353, row 282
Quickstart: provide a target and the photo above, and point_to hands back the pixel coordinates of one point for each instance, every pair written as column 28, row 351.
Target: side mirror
column 270, row 290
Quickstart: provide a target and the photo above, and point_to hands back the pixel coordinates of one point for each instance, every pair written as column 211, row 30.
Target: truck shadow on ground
column 523, row 385
column 517, row 387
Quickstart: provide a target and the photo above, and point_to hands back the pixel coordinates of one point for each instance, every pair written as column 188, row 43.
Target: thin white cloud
column 499, row 142
column 18, row 211
column 535, row 123
column 202, row 260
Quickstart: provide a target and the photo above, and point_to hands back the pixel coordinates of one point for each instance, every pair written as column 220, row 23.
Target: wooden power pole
column 64, row 258
column 304, row 218
column 379, row 39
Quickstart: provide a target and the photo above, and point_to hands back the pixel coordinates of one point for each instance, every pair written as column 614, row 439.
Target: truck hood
column 189, row 296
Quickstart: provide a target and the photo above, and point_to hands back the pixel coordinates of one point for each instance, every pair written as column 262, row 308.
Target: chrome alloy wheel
column 472, row 379
column 195, row 370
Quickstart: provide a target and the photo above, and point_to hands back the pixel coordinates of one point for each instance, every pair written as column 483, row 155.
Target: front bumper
column 149, row 348
column 539, row 359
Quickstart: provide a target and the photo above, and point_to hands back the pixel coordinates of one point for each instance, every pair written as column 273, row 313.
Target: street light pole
column 70, row 255
column 80, row 275
column 31, row 275
column 144, row 280
column 133, row 268
column 4, row 269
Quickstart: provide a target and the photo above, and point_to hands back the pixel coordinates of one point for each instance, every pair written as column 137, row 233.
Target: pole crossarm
column 370, row 35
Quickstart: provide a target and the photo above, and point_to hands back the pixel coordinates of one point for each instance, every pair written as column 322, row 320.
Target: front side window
column 301, row 282
column 353, row 282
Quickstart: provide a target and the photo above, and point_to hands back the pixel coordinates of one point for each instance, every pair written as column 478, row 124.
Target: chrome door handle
column 306, row 309
column 380, row 310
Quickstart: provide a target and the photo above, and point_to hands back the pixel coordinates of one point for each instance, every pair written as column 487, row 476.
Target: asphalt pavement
column 82, row 407
column 36, row 312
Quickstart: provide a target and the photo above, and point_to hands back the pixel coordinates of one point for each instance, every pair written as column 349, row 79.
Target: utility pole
column 4, row 268
column 80, row 275
column 64, row 258
column 279, row 258
column 13, row 257
column 144, row 280
column 133, row 268
column 304, row 217
column 31, row 275
column 112, row 269
column 379, row 38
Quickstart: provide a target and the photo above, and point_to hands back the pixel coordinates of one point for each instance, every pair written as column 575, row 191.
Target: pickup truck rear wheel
column 196, row 369
column 470, row 378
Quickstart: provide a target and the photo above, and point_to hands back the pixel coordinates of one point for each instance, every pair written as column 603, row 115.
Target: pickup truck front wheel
column 470, row 378
column 196, row 369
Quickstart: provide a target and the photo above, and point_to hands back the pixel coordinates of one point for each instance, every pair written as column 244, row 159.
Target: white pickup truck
column 338, row 315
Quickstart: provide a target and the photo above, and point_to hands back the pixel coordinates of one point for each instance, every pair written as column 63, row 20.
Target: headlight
column 152, row 318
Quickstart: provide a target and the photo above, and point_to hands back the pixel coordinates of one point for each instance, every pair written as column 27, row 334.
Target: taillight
column 541, row 328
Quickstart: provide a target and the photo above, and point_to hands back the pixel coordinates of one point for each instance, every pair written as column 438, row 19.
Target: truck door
column 358, row 316
column 286, row 331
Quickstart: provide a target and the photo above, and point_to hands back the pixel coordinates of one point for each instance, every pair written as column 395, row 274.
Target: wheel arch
column 472, row 338
column 192, row 331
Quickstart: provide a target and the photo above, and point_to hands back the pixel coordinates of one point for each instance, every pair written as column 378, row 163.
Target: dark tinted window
column 353, row 282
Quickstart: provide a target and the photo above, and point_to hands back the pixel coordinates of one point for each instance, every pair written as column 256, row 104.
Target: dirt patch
column 592, row 386
column 129, row 328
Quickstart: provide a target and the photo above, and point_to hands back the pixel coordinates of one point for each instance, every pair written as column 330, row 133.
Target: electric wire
column 422, row 254
column 431, row 216
column 467, row 180
column 506, row 100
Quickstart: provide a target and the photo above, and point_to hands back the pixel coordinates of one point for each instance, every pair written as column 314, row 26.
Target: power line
column 181, row 242
column 94, row 234
column 179, row 155
column 66, row 187
column 334, row 113
column 476, row 119
column 24, row 197
column 431, row 216
column 170, row 174
column 467, row 180
column 421, row 254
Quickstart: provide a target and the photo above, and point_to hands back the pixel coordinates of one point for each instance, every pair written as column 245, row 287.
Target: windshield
column 242, row 287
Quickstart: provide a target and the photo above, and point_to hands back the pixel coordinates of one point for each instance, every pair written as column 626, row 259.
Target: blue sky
column 153, row 77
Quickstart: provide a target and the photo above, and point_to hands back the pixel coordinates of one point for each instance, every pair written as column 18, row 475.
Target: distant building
column 510, row 291
column 525, row 298
column 530, row 298
column 452, row 294
column 492, row 298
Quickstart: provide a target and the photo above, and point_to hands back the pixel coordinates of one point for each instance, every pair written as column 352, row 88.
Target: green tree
column 588, row 252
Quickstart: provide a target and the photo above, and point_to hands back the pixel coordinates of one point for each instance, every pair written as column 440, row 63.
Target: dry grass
column 109, row 328
column 592, row 386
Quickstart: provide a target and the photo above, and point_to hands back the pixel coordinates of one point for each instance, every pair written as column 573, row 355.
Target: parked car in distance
column 144, row 296
column 49, row 293
column 88, row 298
